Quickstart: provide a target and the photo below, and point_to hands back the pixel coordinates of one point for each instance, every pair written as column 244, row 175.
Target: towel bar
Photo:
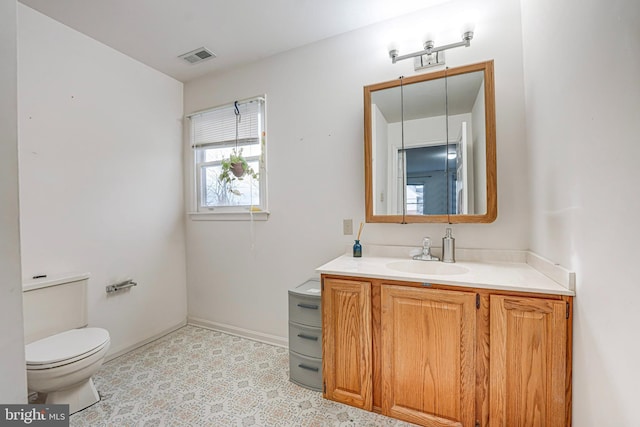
column 122, row 285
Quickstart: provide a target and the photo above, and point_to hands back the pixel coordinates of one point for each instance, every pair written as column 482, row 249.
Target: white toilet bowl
column 61, row 365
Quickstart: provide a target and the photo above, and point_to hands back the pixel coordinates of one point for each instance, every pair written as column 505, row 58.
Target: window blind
column 217, row 126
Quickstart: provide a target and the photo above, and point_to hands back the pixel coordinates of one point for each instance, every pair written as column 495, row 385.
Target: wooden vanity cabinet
column 445, row 355
column 428, row 372
column 346, row 342
column 528, row 362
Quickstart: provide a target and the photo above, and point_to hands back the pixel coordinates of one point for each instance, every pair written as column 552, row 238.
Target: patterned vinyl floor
column 198, row 377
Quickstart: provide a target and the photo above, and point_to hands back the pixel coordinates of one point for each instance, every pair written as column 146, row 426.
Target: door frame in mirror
column 490, row 128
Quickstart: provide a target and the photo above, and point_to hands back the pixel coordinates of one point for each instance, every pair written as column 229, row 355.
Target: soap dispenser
column 448, row 247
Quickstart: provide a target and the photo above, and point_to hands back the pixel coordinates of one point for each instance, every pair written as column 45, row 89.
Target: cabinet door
column 428, row 347
column 527, row 362
column 346, row 342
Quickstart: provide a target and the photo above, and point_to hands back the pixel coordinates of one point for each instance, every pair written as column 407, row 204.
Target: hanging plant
column 238, row 165
column 235, row 167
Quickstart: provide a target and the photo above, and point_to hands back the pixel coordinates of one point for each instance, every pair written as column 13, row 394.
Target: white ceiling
column 430, row 98
column 156, row 32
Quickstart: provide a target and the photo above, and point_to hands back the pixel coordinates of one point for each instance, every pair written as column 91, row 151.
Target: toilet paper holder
column 122, row 285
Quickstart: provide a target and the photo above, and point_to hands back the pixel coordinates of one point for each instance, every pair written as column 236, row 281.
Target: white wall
column 581, row 65
column 379, row 161
column 427, row 131
column 479, row 148
column 101, row 176
column 13, row 387
column 315, row 149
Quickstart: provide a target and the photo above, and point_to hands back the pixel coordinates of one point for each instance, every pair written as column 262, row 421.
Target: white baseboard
column 146, row 341
column 240, row 332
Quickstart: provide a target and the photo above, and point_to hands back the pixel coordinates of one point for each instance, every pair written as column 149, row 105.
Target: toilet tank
column 54, row 304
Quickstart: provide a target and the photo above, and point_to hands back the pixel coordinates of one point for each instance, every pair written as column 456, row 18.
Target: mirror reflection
column 430, row 154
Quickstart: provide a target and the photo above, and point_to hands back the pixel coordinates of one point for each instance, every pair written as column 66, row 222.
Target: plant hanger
column 238, row 118
column 237, row 168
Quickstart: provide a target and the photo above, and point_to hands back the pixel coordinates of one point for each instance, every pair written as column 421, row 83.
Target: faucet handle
column 426, row 251
column 426, row 243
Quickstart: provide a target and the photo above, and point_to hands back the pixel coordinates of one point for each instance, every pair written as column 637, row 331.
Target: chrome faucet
column 426, row 251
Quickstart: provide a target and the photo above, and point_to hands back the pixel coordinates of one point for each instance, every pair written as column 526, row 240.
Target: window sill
column 229, row 216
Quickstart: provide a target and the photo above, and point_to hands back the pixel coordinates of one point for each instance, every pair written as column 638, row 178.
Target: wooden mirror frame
column 490, row 128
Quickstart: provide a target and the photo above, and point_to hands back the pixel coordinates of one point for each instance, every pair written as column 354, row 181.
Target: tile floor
column 198, row 377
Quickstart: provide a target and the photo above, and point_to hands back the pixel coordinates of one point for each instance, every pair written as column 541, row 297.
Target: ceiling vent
column 197, row 55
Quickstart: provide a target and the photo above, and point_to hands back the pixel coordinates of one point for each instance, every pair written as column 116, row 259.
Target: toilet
column 61, row 353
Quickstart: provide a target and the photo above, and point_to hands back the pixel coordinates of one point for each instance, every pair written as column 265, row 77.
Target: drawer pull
column 311, row 306
column 308, row 368
column 307, row 337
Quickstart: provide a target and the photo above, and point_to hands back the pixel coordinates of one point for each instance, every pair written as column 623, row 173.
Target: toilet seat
column 65, row 347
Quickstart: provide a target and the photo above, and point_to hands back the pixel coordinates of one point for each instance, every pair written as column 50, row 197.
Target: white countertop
column 490, row 274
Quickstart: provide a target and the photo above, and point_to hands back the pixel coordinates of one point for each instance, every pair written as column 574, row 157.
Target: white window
column 229, row 158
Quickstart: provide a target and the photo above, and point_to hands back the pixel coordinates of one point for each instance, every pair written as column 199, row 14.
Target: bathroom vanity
column 483, row 342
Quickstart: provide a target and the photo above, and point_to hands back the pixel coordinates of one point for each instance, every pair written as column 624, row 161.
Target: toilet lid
column 65, row 345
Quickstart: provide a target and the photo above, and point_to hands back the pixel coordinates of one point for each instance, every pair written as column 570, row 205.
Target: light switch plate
column 347, row 227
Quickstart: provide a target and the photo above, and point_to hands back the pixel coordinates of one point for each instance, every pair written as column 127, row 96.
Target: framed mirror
column 430, row 147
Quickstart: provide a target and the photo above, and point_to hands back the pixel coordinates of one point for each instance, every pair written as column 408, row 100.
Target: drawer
column 305, row 340
column 305, row 310
column 305, row 371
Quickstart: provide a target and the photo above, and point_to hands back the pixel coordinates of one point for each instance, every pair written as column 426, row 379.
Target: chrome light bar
column 430, row 48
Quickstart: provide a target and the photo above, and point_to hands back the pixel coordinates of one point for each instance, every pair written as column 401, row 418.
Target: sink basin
column 427, row 267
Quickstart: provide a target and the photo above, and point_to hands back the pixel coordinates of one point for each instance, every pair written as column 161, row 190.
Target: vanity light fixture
column 429, row 48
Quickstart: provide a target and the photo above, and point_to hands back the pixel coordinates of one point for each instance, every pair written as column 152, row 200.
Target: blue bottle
column 357, row 249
